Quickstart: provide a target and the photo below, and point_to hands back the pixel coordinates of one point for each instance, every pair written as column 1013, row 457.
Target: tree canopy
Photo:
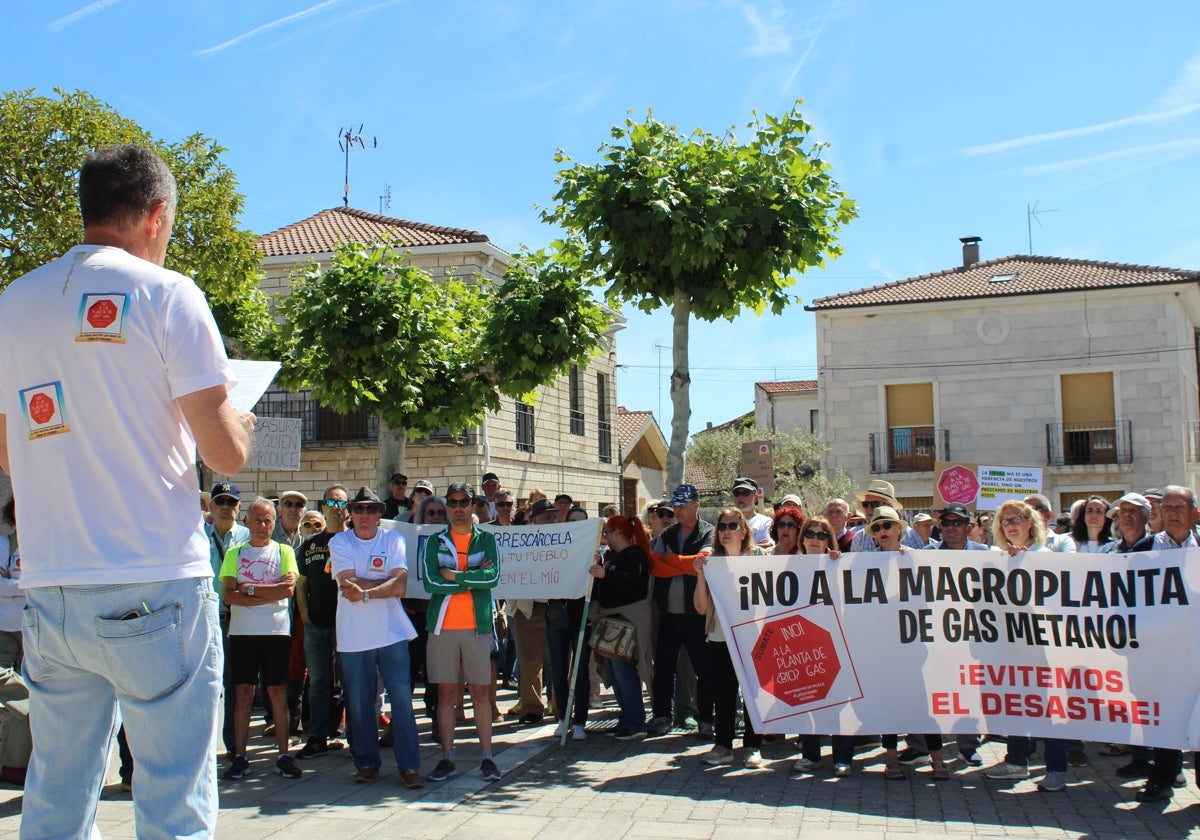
column 371, row 331
column 706, row 224
column 43, row 142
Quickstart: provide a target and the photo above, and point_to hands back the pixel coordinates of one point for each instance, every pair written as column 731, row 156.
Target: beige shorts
column 446, row 649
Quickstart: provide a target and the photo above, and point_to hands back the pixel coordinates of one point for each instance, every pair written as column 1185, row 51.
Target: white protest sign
column 998, row 485
column 967, row 641
column 536, row 561
column 276, row 444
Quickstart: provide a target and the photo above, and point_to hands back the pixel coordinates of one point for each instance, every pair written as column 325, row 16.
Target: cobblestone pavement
column 659, row 788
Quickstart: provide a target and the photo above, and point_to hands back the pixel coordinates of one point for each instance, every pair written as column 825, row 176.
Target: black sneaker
column 445, row 770
column 316, row 746
column 287, row 767
column 491, row 773
column 623, row 734
column 1076, row 757
column 238, row 770
column 910, row 757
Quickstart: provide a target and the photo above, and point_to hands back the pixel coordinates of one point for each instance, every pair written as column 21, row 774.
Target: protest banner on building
column 1040, row 644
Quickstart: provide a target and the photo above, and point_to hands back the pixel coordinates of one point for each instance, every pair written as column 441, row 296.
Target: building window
column 602, row 422
column 1089, row 427
column 911, row 440
column 524, row 427
column 813, row 425
column 575, row 386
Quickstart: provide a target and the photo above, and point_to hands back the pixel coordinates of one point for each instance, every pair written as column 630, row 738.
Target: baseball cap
column 226, row 488
column 541, row 506
column 955, row 509
column 1130, row 498
column 293, row 493
column 489, row 477
column 460, row 487
column 744, row 483
column 683, row 494
column 425, row 485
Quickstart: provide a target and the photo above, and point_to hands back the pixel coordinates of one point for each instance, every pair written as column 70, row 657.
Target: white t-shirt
column 378, row 622
column 263, row 566
column 760, row 525
column 95, row 350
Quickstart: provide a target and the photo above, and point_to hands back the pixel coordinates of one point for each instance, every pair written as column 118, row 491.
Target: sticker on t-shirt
column 43, row 409
column 102, row 317
column 378, row 563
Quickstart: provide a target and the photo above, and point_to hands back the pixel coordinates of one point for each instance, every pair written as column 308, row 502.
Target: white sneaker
column 804, row 765
column 841, row 770
column 561, row 728
column 718, row 756
column 754, row 760
column 578, row 733
column 1007, row 771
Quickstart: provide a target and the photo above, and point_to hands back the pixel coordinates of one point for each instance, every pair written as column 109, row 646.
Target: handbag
column 615, row 638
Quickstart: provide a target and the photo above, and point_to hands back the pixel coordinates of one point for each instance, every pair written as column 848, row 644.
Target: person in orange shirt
column 462, row 567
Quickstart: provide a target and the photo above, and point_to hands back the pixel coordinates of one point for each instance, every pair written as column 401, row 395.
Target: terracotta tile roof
column 322, row 233
column 790, row 386
column 630, row 425
column 705, row 484
column 1033, row 275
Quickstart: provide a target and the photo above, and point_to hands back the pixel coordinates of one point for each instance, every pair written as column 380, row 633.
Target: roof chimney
column 970, row 250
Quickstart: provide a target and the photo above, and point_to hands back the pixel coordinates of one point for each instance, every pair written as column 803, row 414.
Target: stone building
column 643, row 459
column 1085, row 369
column 565, row 442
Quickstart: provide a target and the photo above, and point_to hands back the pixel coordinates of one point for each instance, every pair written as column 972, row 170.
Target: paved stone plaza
column 659, row 788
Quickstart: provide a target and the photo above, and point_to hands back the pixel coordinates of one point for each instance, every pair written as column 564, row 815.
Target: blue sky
column 945, row 119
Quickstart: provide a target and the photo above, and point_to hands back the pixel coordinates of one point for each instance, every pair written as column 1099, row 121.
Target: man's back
column 89, row 385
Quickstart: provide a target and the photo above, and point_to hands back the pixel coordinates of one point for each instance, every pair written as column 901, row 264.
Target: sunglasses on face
column 882, row 526
column 504, row 504
column 361, row 509
column 340, row 504
column 867, row 505
column 293, row 504
column 450, row 503
column 311, row 525
column 225, row 501
column 728, row 526
column 786, row 525
column 743, row 492
column 663, row 513
column 953, row 523
column 816, row 535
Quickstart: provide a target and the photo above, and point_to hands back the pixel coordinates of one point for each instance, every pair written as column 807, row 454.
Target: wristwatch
column 366, row 596
column 250, row 590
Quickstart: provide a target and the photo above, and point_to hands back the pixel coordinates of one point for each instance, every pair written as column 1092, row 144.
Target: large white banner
column 536, row 561
column 1090, row 646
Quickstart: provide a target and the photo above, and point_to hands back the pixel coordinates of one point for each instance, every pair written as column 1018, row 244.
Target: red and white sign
column 102, row 317
column 795, row 659
column 956, row 484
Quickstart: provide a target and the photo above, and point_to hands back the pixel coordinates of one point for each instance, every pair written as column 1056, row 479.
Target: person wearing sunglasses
column 317, row 600
column 287, row 526
column 462, row 567
column 819, row 538
column 878, row 494
column 373, row 632
column 746, row 494
column 1018, row 528
column 223, row 533
column 431, row 510
column 504, row 508
column 397, row 504
column 659, row 514
column 734, row 539
column 785, row 530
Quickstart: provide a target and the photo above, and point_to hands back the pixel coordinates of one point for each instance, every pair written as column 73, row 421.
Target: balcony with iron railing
column 909, row 449
column 1081, row 444
column 322, row 426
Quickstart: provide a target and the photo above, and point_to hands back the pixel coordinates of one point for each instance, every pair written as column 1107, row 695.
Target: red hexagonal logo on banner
column 958, row 485
column 796, row 660
column 101, row 314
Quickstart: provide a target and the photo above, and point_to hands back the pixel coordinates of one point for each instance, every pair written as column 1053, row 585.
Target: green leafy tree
column 43, row 142
column 705, row 224
column 372, row 332
column 796, row 455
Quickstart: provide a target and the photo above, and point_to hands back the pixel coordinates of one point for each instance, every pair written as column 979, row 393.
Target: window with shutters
column 912, row 444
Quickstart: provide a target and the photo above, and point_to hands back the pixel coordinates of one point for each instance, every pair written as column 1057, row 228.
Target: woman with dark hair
column 622, row 588
column 1093, row 529
column 734, row 539
column 785, row 530
column 563, row 620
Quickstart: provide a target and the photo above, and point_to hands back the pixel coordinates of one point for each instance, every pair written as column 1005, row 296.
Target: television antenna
column 385, row 200
column 348, row 138
column 1031, row 216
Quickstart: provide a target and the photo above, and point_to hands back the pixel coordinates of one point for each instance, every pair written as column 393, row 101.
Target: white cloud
column 268, row 26
column 1185, row 90
column 770, row 35
column 1145, row 153
column 1082, row 131
column 76, row 16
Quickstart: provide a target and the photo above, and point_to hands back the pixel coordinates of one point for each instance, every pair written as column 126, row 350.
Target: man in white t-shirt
column 373, row 632
column 113, row 377
column 746, row 494
column 258, row 580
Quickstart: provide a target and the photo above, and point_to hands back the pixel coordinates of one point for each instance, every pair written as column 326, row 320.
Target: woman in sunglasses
column 887, row 529
column 734, row 539
column 658, row 516
column 1019, row 528
column 819, row 539
column 785, row 530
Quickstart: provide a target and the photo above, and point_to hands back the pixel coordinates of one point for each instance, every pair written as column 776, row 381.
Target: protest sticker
column 955, row 483
column 998, row 485
column 948, row 641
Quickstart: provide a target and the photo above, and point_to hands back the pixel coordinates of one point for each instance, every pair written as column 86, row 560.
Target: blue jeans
column 843, row 748
column 164, row 668
column 562, row 650
column 627, row 688
column 320, row 646
column 1056, row 752
column 676, row 631
column 359, row 670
